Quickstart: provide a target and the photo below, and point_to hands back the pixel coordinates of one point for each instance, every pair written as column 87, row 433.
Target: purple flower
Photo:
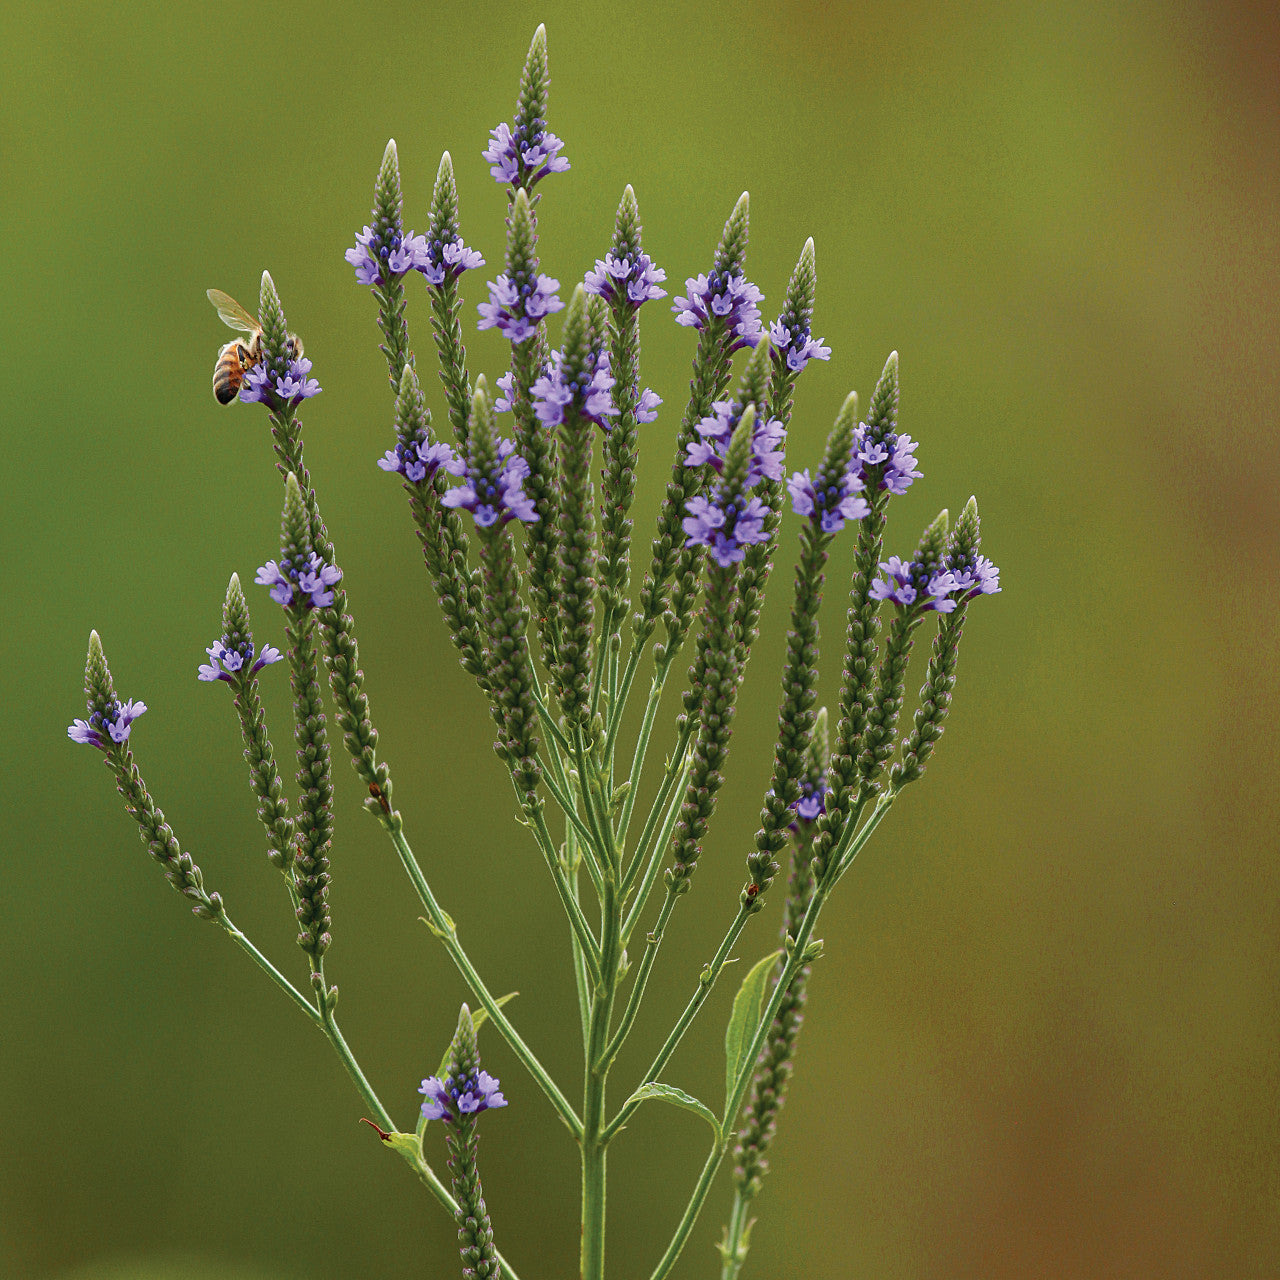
column 716, row 431
column 419, row 460
column 497, row 498
column 553, row 394
column 114, row 724
column 915, row 585
column 451, row 1098
column 813, row 799
column 440, row 259
column 724, row 529
column 309, row 582
column 276, row 391
column 894, row 454
column 507, row 388
column 974, row 576
column 388, row 247
column 634, row 280
column 732, row 299
column 227, row 662
column 647, row 406
column 524, row 157
column 361, row 256
column 829, row 508
column 516, row 306
column 791, row 342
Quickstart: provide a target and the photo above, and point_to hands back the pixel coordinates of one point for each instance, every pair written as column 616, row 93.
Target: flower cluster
column 440, row 259
column 730, row 298
column 494, row 499
column 228, row 661
column 552, row 393
column 830, row 506
column 308, row 582
column 278, row 390
column 525, row 155
column 634, row 279
column 399, row 254
column 456, row 1096
column 894, row 454
column 915, row 584
column 813, row 799
column 646, row 406
column 790, row 342
column 389, row 248
column 115, row 723
column 716, row 431
column 724, row 528
column 517, row 304
column 421, row 459
column 972, row 575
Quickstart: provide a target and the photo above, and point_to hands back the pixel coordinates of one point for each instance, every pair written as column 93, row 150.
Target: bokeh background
column 1044, row 1036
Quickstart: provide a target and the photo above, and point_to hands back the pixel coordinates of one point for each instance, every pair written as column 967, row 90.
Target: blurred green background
column 1044, row 1037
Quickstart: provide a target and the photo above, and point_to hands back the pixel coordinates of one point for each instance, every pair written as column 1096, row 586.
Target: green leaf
column 678, row 1098
column 743, row 1021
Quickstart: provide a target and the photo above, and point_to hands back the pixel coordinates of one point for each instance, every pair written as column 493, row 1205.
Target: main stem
column 594, row 1141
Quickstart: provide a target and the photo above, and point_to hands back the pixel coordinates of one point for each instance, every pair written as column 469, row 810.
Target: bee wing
column 231, row 313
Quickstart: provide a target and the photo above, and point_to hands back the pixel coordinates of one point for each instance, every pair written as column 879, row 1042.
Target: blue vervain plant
column 532, row 565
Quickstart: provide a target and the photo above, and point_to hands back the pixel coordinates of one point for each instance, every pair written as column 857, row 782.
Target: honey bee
column 240, row 354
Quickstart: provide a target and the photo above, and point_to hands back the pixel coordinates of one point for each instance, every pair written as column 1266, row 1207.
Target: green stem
column 594, row 1143
column 581, row 978
column 734, row 1247
column 447, row 932
column 326, row 1023
column 705, row 1179
column 795, row 962
column 569, row 809
column 706, row 981
column 615, row 711
column 549, row 723
column 589, row 789
column 591, row 952
column 652, row 943
column 642, row 748
column 269, row 969
column 562, row 791
column 660, row 846
column 330, row 1027
column 601, row 656
column 678, row 765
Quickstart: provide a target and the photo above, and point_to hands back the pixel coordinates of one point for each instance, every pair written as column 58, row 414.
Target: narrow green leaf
column 744, row 1019
column 678, row 1098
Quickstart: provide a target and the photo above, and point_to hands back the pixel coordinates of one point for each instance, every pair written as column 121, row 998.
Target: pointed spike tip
column 389, row 153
